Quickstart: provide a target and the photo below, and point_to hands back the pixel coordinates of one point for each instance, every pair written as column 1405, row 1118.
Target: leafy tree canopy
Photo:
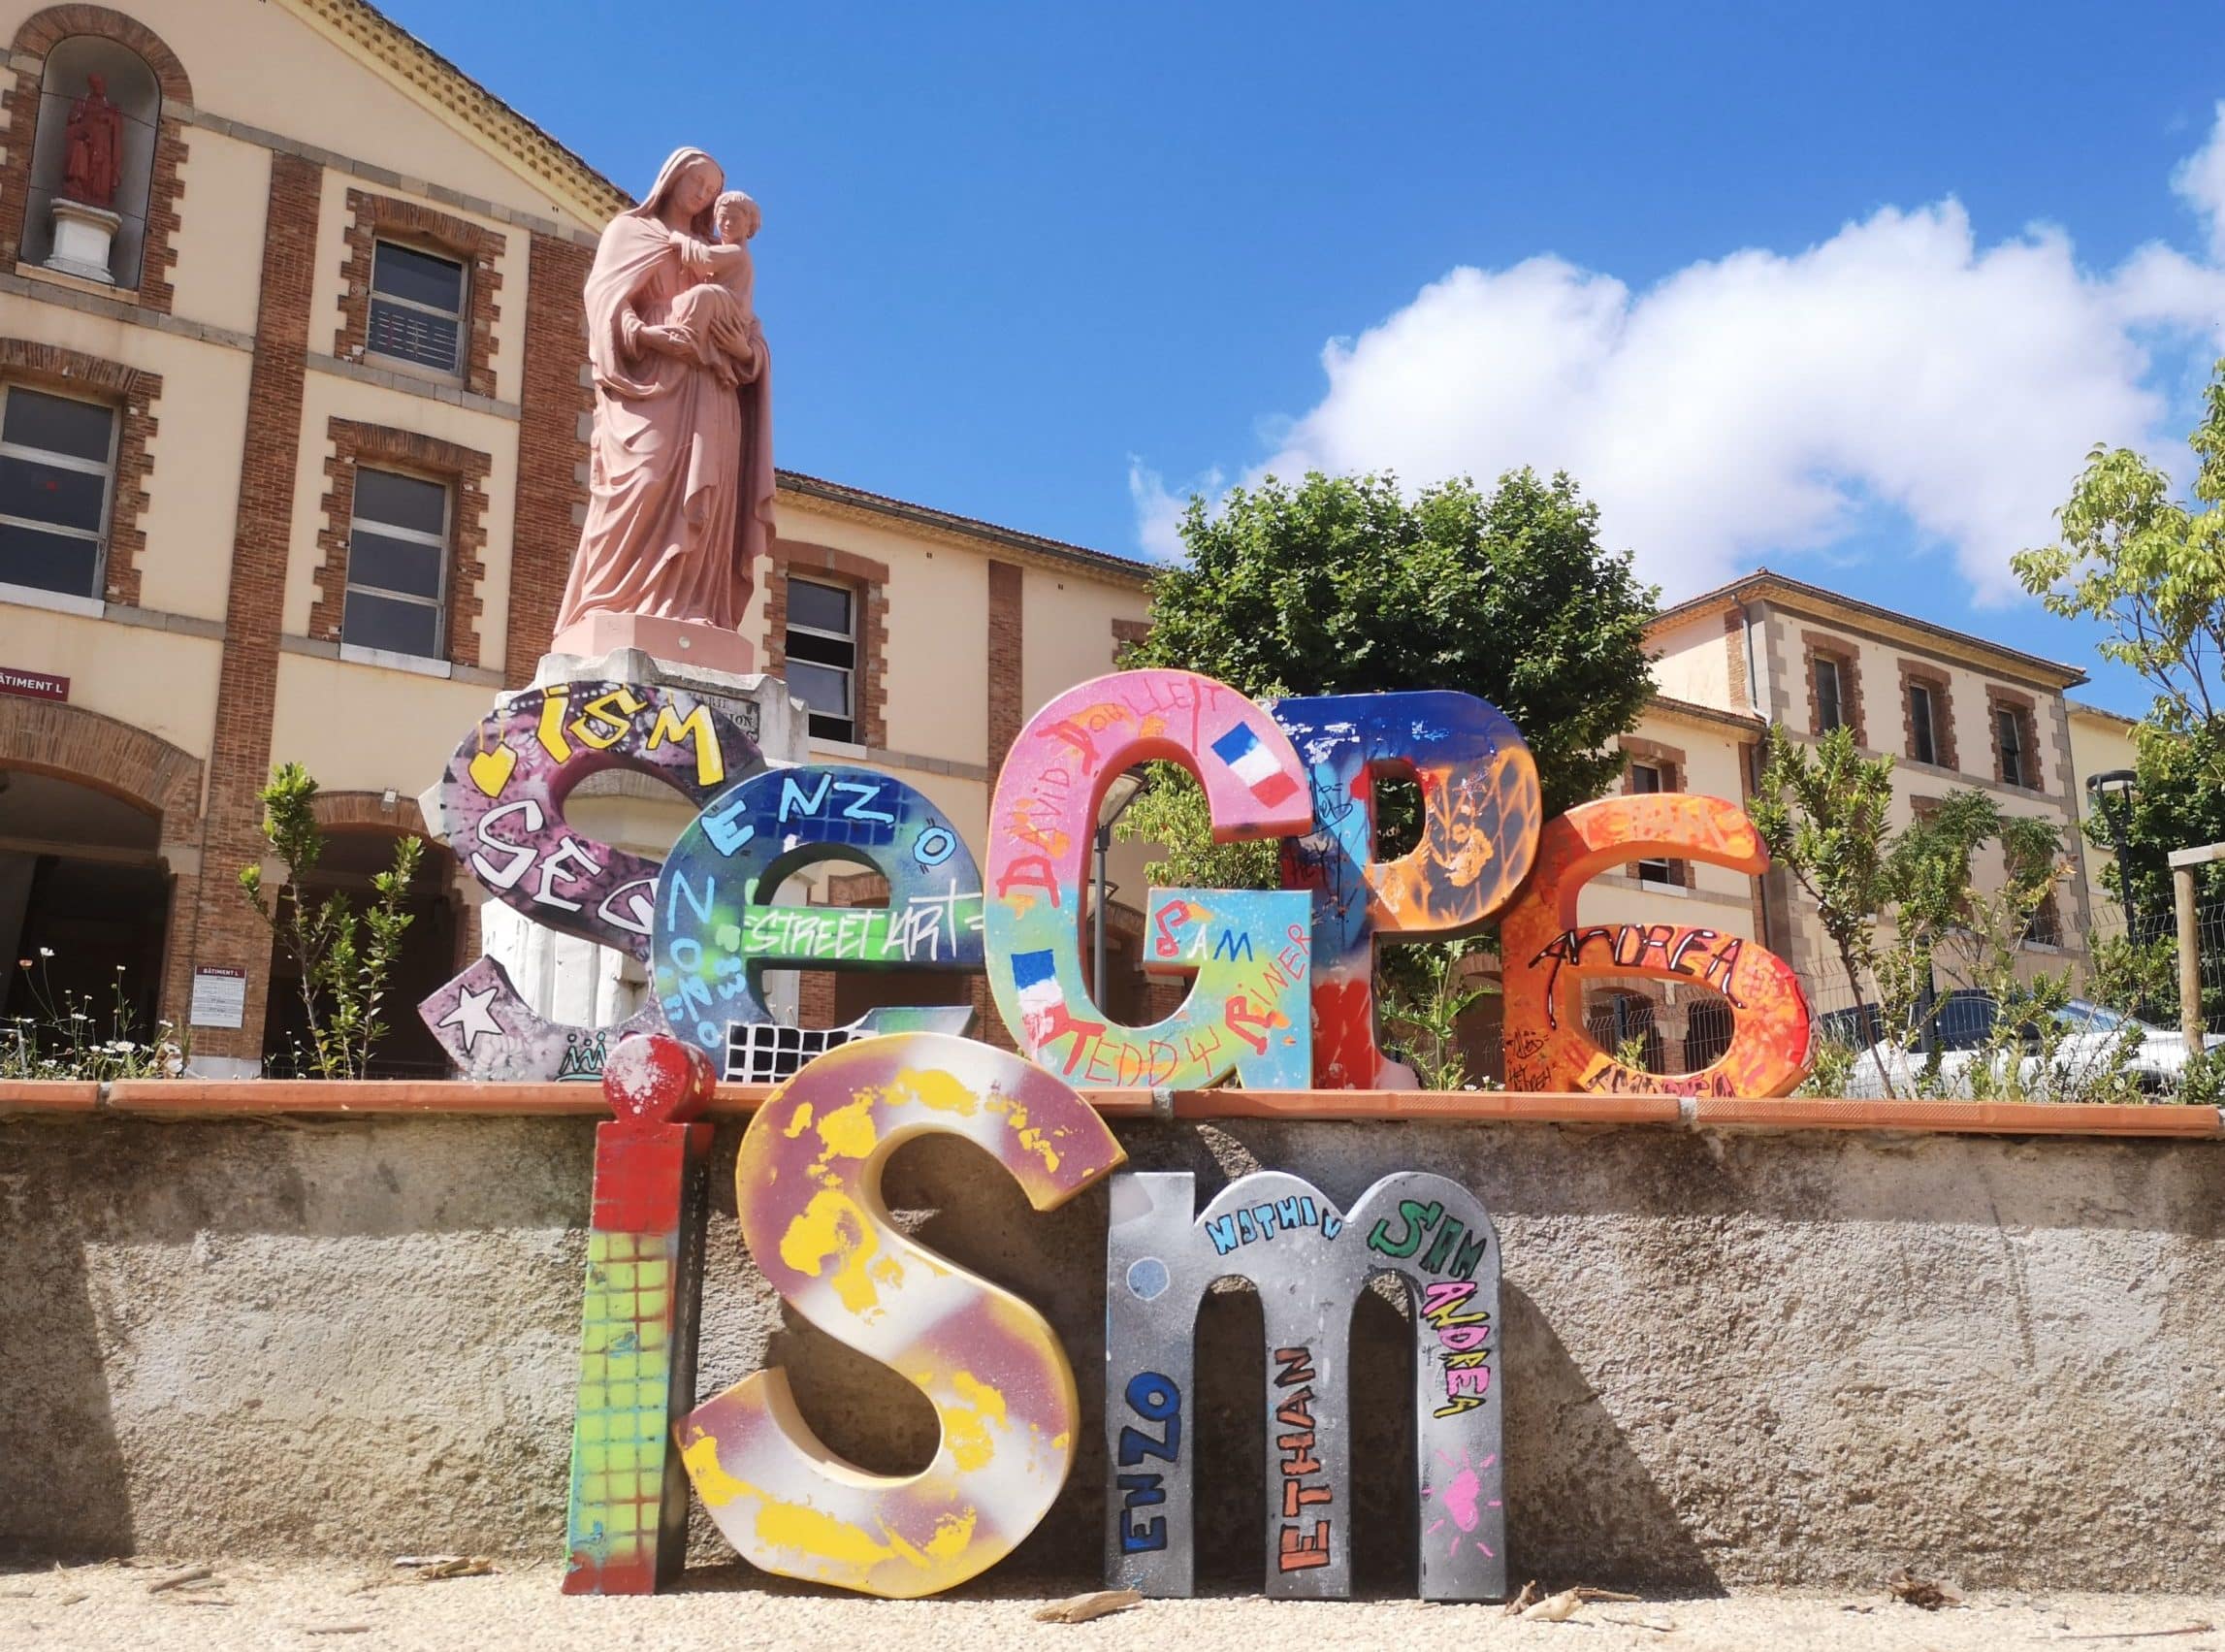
column 2149, row 565
column 1343, row 585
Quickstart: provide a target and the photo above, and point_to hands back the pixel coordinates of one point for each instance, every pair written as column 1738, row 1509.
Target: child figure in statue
column 719, row 315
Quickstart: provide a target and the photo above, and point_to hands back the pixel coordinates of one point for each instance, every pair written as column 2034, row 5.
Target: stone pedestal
column 83, row 235
column 687, row 647
column 573, row 981
column 760, row 702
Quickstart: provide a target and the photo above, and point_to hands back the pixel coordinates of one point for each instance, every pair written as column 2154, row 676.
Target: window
column 822, row 655
column 1830, row 712
column 57, row 458
column 1646, row 777
column 1923, row 730
column 397, row 564
column 416, row 308
column 2008, row 733
column 2044, row 925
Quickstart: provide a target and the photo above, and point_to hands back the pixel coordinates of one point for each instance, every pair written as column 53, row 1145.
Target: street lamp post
column 1124, row 791
column 2112, row 794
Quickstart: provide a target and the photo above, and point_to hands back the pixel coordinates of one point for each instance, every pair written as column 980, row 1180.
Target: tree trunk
column 1854, row 982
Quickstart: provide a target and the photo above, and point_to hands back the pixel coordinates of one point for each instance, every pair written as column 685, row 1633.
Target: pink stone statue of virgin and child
column 679, row 498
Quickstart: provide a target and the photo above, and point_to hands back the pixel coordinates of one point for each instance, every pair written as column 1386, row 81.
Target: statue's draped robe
column 91, row 167
column 681, row 483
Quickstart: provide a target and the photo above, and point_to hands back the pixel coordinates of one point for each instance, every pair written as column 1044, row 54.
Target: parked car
column 2091, row 1035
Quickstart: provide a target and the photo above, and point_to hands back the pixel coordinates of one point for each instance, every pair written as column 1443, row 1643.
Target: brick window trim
column 1941, row 714
column 373, row 218
column 466, row 469
column 2026, row 712
column 38, row 35
column 133, row 392
column 1849, row 659
column 869, row 579
column 1670, row 761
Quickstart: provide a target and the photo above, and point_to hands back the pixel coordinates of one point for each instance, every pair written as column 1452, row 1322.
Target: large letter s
column 808, row 1196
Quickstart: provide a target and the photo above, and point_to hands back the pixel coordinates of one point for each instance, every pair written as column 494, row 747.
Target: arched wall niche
column 130, row 83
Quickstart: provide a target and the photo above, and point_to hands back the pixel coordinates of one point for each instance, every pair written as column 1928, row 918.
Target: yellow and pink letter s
column 808, row 1196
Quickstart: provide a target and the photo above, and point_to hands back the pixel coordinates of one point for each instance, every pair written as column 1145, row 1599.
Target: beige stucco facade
column 2102, row 743
column 1757, row 643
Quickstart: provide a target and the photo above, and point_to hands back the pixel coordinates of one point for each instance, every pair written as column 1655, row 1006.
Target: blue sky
column 1847, row 292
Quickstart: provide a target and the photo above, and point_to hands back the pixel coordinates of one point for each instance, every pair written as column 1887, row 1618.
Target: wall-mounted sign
column 219, row 996
column 33, row 685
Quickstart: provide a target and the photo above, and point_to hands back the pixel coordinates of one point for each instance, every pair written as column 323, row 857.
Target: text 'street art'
column 1480, row 806
column 1548, row 954
column 628, row 1521
column 1250, row 952
column 501, row 808
column 1309, row 1263
column 717, row 927
column 808, row 1198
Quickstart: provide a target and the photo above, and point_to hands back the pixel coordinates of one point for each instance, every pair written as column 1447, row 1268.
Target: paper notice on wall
column 219, row 997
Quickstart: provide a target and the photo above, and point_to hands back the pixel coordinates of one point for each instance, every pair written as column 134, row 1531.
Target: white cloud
column 2201, row 179
column 1750, row 406
column 1159, row 512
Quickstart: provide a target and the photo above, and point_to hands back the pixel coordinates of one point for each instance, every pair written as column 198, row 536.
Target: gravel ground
column 327, row 1607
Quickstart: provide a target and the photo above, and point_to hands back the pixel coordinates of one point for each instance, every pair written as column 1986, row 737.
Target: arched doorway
column 99, row 862
column 84, row 904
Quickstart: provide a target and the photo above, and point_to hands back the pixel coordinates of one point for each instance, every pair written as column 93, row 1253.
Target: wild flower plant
column 67, row 1038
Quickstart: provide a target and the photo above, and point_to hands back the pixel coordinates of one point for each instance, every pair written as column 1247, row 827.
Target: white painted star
column 471, row 1017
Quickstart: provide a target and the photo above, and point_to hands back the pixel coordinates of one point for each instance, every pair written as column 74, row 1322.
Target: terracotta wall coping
column 2001, row 1117
column 193, row 1098
column 1465, row 1106
column 50, row 1095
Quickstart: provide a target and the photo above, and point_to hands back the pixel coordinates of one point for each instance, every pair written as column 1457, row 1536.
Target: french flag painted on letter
column 1037, row 978
column 1254, row 764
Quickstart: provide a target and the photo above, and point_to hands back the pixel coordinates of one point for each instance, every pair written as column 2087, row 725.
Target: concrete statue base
column 688, row 645
column 83, row 235
column 573, row 981
column 756, row 700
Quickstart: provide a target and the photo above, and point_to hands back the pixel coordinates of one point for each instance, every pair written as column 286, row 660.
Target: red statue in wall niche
column 92, row 166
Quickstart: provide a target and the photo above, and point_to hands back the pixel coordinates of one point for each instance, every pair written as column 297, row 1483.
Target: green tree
column 344, row 957
column 2177, row 800
column 2151, row 568
column 1944, row 923
column 1343, row 585
column 1821, row 811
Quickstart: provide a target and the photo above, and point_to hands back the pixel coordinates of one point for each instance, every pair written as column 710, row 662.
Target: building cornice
column 1885, row 624
column 2089, row 713
column 1747, row 723
column 879, row 510
column 429, row 78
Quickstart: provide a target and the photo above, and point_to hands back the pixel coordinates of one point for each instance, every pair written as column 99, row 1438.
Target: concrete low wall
column 1728, row 1359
